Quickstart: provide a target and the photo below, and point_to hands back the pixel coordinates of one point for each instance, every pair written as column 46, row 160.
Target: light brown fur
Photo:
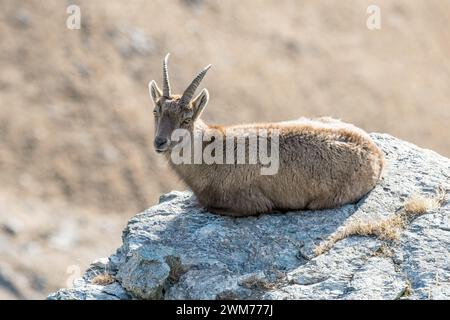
column 323, row 163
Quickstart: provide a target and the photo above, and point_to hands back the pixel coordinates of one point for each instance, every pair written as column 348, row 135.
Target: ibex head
column 174, row 111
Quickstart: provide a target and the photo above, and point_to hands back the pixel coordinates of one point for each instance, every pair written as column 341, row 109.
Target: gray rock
column 86, row 291
column 177, row 250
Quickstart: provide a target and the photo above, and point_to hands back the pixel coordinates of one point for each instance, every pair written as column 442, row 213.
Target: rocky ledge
column 177, row 250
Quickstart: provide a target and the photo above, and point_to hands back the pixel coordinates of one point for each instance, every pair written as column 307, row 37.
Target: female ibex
column 323, row 163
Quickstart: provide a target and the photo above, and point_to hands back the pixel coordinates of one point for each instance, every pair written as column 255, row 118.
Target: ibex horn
column 190, row 91
column 166, row 83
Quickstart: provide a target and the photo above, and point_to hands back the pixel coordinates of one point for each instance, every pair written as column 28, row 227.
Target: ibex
column 323, row 163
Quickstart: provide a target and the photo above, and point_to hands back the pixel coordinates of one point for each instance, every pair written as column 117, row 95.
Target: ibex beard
column 313, row 163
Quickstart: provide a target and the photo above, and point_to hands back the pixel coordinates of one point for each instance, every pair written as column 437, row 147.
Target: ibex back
column 323, row 163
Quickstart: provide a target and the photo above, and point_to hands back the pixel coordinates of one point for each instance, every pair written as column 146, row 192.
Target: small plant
column 103, row 279
column 418, row 204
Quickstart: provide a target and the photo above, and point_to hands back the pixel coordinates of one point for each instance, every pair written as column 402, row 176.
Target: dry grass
column 418, row 204
column 389, row 228
column 386, row 229
column 103, row 279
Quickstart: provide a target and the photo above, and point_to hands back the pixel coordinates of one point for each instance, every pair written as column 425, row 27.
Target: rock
column 87, row 291
column 177, row 250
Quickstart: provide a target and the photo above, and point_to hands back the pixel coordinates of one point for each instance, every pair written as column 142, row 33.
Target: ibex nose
column 160, row 142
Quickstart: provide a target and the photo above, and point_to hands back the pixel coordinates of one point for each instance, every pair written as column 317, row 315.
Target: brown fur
column 323, row 163
column 320, row 167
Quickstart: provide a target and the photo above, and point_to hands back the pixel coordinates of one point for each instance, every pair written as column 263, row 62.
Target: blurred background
column 76, row 127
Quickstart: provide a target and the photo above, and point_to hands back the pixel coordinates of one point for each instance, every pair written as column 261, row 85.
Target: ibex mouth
column 161, row 144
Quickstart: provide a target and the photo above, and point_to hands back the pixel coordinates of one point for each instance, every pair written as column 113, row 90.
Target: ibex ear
column 155, row 93
column 199, row 103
